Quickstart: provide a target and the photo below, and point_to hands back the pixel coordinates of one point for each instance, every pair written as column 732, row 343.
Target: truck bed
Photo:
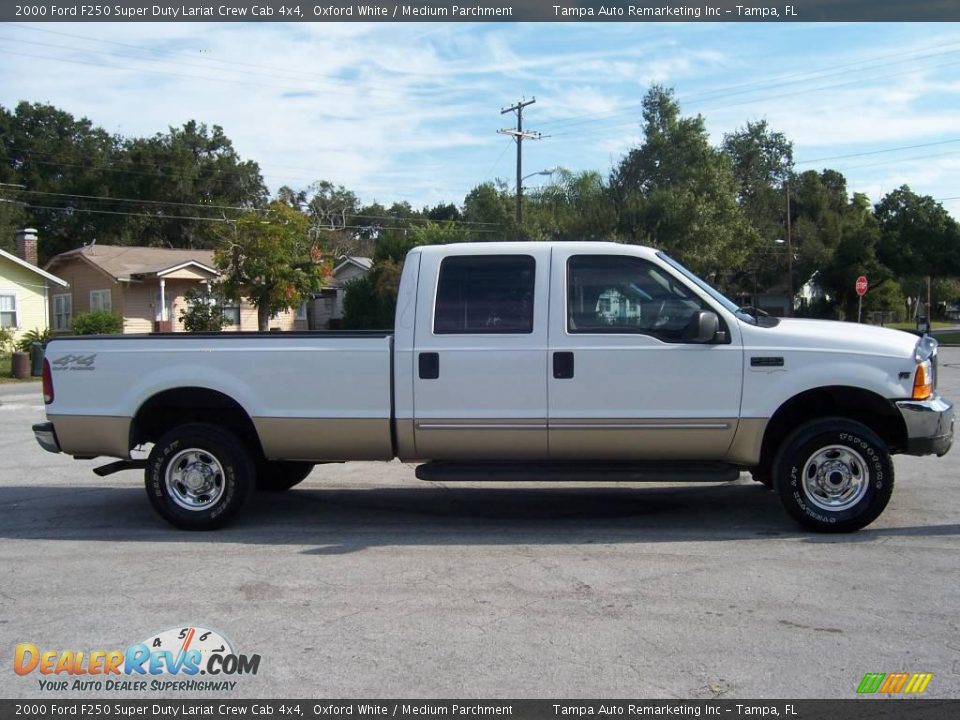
column 311, row 395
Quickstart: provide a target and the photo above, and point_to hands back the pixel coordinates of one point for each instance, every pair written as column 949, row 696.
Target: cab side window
column 485, row 294
column 616, row 294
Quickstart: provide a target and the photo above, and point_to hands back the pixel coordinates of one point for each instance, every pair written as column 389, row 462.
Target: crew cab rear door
column 624, row 383
column 480, row 386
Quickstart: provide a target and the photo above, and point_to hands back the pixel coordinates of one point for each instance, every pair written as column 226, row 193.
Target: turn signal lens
column 47, row 382
column 923, row 381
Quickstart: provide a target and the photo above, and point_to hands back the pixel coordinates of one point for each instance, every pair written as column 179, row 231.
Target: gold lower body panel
column 321, row 439
column 92, row 434
column 715, row 439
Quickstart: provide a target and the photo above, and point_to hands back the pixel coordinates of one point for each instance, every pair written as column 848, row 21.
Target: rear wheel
column 834, row 475
column 198, row 476
column 280, row 475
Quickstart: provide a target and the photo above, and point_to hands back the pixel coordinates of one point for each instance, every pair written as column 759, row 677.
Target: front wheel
column 834, row 475
column 198, row 476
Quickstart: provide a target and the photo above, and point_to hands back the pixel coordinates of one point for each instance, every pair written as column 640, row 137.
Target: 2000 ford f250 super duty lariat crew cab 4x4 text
column 514, row 361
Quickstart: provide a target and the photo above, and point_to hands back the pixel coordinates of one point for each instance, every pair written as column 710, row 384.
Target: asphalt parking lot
column 365, row 582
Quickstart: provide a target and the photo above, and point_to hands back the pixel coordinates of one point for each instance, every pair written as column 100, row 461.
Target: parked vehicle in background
column 515, row 361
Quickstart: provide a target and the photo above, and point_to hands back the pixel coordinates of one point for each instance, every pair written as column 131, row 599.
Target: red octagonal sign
column 862, row 285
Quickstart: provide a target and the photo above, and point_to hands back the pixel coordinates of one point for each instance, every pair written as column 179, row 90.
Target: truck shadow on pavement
column 344, row 520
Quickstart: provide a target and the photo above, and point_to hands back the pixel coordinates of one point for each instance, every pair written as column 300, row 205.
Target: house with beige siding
column 328, row 303
column 25, row 289
column 146, row 286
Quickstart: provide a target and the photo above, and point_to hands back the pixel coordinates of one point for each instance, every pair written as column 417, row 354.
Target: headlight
column 926, row 346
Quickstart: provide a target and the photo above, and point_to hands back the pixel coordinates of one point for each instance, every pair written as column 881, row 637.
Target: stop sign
column 862, row 285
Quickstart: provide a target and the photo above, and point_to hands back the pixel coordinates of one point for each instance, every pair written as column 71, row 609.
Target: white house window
column 100, row 300
column 302, row 311
column 8, row 310
column 231, row 313
column 62, row 312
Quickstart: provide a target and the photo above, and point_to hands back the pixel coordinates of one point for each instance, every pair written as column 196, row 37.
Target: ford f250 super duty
column 514, row 361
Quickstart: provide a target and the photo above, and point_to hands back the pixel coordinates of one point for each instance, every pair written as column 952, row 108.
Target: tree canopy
column 268, row 257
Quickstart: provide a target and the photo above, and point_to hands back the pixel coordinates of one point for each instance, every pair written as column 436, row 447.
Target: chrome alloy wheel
column 835, row 478
column 194, row 479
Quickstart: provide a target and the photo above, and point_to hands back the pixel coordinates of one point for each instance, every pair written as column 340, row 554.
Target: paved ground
column 366, row 582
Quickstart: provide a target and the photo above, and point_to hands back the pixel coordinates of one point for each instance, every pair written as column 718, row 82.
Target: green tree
column 573, row 206
column 491, row 210
column 678, row 193
column 270, row 258
column 186, row 173
column 59, row 161
column 918, row 236
column 761, row 162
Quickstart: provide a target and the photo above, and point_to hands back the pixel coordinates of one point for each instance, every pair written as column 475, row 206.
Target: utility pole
column 789, row 254
column 519, row 135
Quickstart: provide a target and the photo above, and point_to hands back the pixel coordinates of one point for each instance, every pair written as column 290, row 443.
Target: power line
column 876, row 152
column 899, row 160
column 68, row 210
column 739, row 89
column 338, row 88
column 751, row 101
column 144, row 201
column 241, row 208
column 220, row 207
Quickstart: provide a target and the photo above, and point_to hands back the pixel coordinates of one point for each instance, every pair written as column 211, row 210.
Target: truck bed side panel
column 310, row 396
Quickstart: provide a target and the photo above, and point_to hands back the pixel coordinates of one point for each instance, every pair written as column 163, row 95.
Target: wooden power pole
column 519, row 135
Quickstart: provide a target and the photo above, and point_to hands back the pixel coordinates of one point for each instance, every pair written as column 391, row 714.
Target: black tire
column 281, row 475
column 201, row 465
column 834, row 475
column 762, row 476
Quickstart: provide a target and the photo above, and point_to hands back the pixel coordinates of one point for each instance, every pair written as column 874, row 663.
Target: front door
column 480, row 388
column 625, row 383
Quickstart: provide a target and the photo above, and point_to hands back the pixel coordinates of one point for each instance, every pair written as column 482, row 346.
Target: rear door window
column 485, row 294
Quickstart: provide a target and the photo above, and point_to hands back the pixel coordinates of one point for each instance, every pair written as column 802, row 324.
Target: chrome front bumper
column 46, row 436
column 929, row 425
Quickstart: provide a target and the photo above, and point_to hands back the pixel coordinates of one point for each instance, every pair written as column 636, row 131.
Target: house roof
column 128, row 262
column 364, row 263
column 23, row 263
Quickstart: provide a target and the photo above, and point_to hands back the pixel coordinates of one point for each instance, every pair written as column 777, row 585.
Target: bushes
column 98, row 322
column 204, row 311
column 366, row 306
column 25, row 343
column 6, row 341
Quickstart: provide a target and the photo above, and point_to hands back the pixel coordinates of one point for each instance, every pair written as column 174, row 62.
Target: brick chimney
column 27, row 245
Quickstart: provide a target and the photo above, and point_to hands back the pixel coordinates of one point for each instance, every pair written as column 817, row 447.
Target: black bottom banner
column 854, row 709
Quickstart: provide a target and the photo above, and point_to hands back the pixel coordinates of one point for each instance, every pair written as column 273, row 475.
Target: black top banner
column 486, row 11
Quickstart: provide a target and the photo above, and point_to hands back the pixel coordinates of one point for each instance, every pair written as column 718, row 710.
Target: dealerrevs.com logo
column 172, row 660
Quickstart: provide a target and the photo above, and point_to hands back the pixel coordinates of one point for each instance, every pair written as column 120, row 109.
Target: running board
column 119, row 465
column 447, row 471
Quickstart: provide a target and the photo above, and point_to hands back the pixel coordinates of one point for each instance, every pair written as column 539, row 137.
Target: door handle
column 563, row 365
column 429, row 365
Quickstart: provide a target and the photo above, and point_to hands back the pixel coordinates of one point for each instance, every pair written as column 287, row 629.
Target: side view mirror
column 706, row 327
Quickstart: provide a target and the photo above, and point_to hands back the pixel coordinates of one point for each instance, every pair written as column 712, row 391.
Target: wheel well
column 170, row 408
column 863, row 406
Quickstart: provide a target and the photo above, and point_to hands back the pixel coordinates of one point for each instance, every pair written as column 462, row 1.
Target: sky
column 409, row 112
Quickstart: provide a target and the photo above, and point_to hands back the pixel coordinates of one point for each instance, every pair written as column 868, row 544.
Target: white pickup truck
column 514, row 361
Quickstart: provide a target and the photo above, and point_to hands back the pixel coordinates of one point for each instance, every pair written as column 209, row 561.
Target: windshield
column 719, row 297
